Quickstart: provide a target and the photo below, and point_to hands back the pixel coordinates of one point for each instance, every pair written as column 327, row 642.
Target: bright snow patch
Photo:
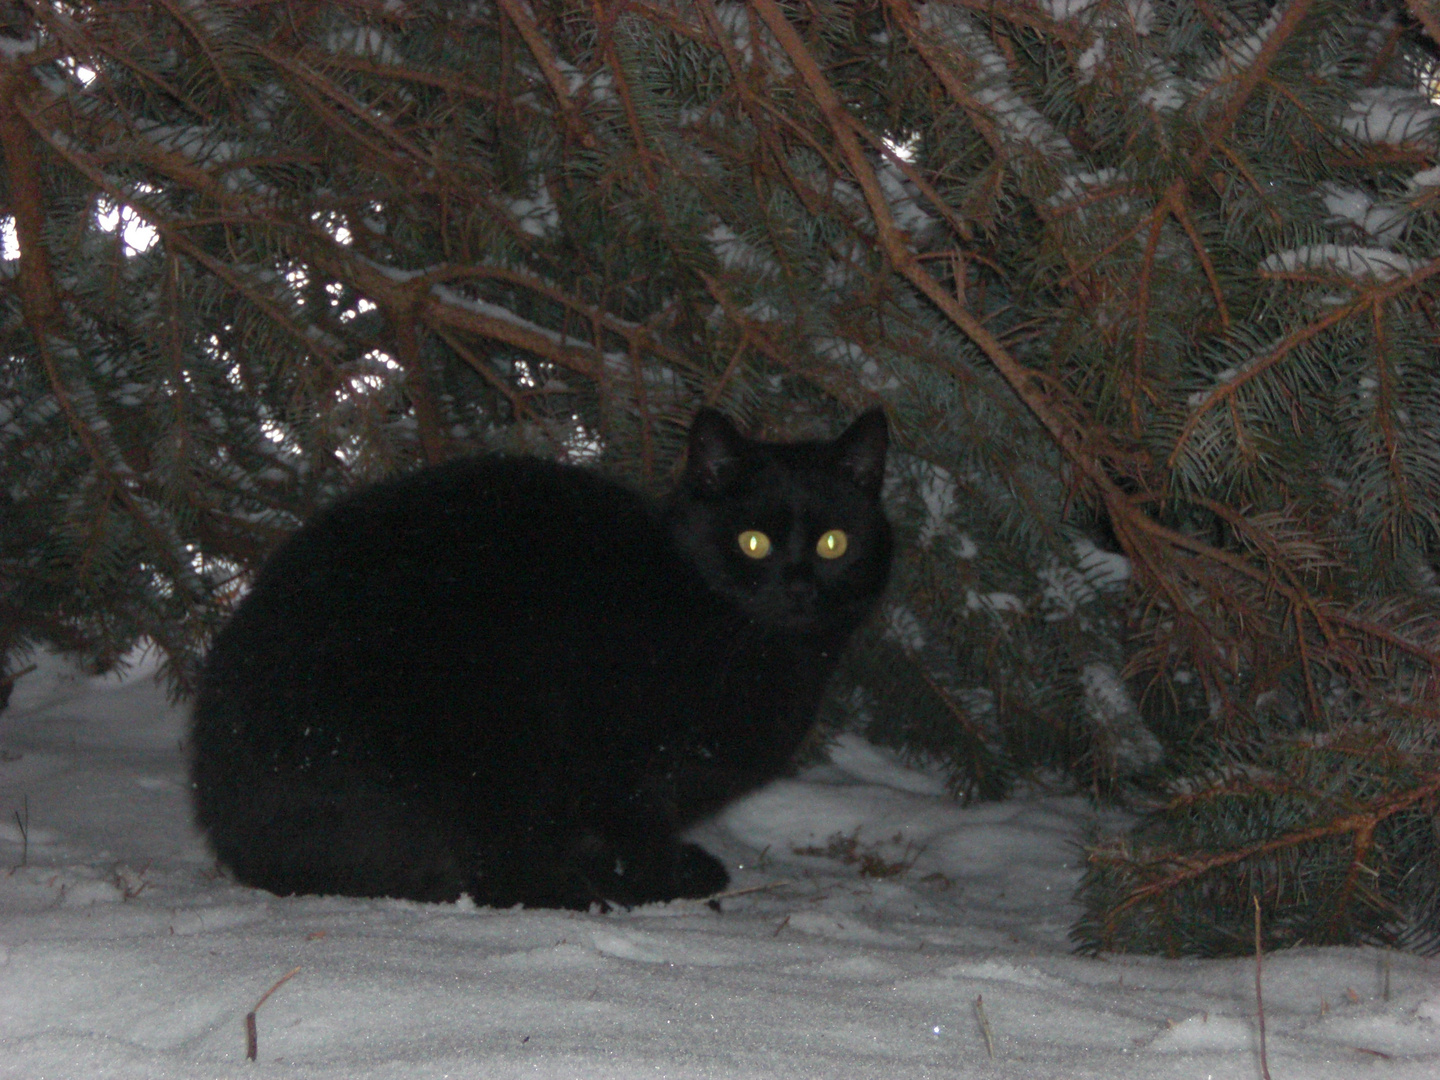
column 1356, row 262
column 1387, row 114
column 880, row 912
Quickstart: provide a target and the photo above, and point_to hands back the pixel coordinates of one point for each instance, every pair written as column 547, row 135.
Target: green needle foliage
column 1147, row 288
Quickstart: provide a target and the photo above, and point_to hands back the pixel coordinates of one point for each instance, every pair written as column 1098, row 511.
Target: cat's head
column 792, row 533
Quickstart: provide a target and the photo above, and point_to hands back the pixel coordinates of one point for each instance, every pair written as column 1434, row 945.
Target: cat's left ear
column 714, row 452
column 860, row 451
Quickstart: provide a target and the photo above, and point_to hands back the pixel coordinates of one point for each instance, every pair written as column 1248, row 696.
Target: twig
column 24, row 824
column 730, row 893
column 984, row 1025
column 1259, row 1001
column 7, row 683
column 252, row 1039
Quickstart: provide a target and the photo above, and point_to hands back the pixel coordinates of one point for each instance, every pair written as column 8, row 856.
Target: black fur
column 518, row 680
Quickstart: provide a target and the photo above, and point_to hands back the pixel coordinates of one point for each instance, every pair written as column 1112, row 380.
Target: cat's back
column 471, row 507
column 493, row 521
column 424, row 577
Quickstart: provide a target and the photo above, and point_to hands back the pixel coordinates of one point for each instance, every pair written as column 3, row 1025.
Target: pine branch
column 1251, row 77
column 1255, row 367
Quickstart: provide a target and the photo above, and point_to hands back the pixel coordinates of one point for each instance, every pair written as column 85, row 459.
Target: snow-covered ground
column 885, row 931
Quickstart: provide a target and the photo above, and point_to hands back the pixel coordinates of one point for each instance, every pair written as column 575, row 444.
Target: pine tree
column 1146, row 287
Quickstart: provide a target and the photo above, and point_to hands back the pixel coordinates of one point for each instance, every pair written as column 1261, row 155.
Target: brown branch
column 1424, row 11
column 36, row 281
column 635, row 335
column 1385, row 391
column 371, row 282
column 40, row 297
column 1163, row 209
column 437, row 311
column 176, row 12
column 717, row 388
column 519, row 13
column 903, row 13
column 1188, row 868
column 325, row 97
column 1068, row 433
column 1035, row 18
column 1182, row 215
column 932, row 197
column 1250, row 78
column 517, row 402
column 400, row 73
column 78, row 44
column 1260, row 1001
column 434, row 446
column 1258, row 366
column 605, row 21
column 65, row 147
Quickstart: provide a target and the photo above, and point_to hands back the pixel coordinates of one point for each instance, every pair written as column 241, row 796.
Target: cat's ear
column 714, row 452
column 860, row 451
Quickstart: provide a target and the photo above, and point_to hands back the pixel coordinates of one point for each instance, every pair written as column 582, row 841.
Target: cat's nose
column 800, row 590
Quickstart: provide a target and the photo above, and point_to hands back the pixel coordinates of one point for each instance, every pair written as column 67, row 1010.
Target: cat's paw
column 698, row 873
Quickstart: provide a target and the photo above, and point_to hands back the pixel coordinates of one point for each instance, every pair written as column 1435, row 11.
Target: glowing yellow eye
column 833, row 544
column 754, row 543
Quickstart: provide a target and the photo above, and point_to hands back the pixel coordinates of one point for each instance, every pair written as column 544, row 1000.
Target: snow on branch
column 1349, row 260
column 1388, row 114
column 1020, row 125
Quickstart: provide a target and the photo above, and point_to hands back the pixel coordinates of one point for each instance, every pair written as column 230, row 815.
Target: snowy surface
column 124, row 954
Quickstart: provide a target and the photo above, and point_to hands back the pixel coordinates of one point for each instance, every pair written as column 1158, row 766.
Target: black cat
column 517, row 680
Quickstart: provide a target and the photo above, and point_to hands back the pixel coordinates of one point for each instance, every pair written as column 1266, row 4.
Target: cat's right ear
column 714, row 452
column 861, row 451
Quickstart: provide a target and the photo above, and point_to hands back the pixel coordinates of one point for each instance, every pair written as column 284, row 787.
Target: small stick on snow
column 731, row 893
column 24, row 824
column 984, row 1024
column 252, row 1038
column 7, row 684
column 1259, row 1001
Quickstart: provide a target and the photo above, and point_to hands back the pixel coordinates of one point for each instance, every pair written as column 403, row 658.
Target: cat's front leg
column 631, row 862
column 698, row 873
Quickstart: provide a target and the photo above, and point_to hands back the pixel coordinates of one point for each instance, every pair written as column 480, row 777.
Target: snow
column 1348, row 259
column 937, row 491
column 1022, row 127
column 872, row 375
column 1076, row 192
column 1381, row 220
column 14, row 48
column 904, row 206
column 1387, row 114
column 1428, row 178
column 1240, row 53
column 363, row 41
column 124, row 955
column 537, row 214
column 736, row 253
column 1120, row 730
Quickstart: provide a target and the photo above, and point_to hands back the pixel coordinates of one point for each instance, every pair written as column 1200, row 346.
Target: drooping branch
column 1175, row 870
column 41, row 300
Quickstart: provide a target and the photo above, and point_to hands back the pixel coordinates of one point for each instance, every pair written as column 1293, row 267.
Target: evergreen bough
column 1147, row 289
